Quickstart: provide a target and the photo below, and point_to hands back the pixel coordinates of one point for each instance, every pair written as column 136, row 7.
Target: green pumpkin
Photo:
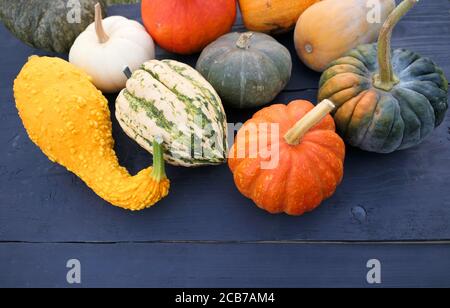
column 247, row 70
column 51, row 25
column 386, row 100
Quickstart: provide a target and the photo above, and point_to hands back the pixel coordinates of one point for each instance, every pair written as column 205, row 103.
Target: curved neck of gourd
column 386, row 79
column 311, row 119
column 101, row 34
column 159, row 171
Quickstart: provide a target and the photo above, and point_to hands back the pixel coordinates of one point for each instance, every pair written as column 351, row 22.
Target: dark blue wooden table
column 391, row 208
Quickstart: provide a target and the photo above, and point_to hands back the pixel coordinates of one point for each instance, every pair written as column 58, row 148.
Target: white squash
column 108, row 46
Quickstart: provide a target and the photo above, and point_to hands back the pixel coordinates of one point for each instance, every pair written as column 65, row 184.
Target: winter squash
column 247, row 69
column 171, row 100
column 108, row 46
column 52, row 25
column 288, row 158
column 186, row 27
column 386, row 100
column 329, row 29
column 69, row 120
column 272, row 16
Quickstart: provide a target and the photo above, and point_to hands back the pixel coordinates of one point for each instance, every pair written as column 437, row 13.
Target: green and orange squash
column 386, row 100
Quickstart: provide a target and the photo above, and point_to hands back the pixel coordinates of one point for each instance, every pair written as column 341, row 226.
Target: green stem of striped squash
column 159, row 171
column 386, row 79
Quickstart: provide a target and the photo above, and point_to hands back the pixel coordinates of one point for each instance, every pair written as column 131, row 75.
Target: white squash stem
column 101, row 34
column 311, row 119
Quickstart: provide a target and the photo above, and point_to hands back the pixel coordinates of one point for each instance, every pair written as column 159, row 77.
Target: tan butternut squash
column 69, row 119
column 331, row 28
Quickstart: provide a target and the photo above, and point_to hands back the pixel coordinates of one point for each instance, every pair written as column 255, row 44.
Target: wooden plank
column 383, row 197
column 224, row 265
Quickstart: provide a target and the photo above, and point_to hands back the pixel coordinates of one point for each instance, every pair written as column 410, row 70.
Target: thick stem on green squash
column 101, row 34
column 159, row 171
column 244, row 40
column 311, row 119
column 386, row 79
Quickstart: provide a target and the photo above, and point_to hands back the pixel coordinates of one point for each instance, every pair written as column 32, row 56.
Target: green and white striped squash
column 170, row 100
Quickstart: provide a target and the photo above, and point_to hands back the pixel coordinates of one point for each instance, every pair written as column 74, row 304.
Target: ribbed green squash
column 172, row 101
column 388, row 104
column 52, row 25
column 247, row 70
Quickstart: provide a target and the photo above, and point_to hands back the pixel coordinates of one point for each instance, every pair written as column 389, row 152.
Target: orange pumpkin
column 187, row 26
column 288, row 158
column 272, row 16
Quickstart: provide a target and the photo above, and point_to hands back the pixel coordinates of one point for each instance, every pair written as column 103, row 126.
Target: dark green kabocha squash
column 51, row 25
column 386, row 100
column 247, row 69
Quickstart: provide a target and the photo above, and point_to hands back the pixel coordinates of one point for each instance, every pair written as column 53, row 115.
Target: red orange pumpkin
column 288, row 158
column 187, row 26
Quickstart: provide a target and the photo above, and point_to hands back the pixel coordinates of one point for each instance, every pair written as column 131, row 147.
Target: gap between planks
column 212, row 242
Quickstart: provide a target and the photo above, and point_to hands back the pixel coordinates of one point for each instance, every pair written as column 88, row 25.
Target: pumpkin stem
column 385, row 79
column 244, row 40
column 311, row 119
column 159, row 171
column 101, row 34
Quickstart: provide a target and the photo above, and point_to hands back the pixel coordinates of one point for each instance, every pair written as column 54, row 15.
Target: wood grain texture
column 396, row 197
column 224, row 265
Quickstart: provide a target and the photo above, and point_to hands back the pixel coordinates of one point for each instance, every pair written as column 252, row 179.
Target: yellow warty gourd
column 69, row 119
